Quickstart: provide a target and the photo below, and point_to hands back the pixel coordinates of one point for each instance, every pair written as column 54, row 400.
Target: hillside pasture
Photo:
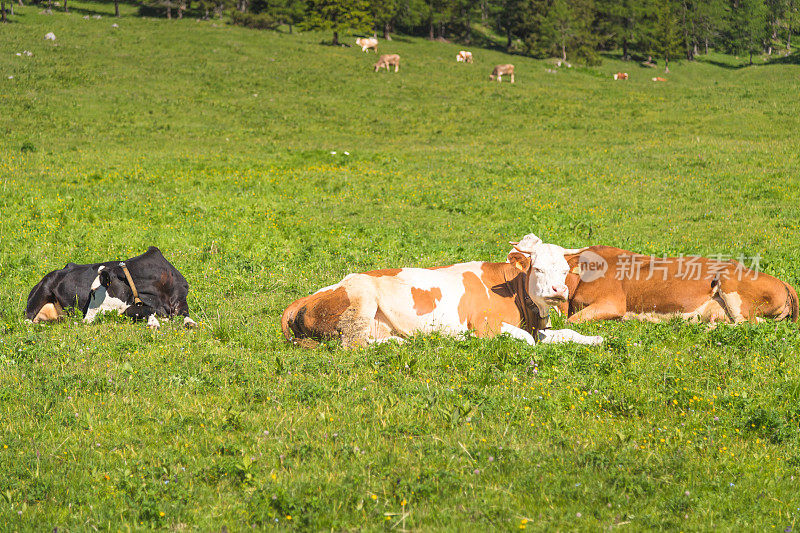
column 225, row 147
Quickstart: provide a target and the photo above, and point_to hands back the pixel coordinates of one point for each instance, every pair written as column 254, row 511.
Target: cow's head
column 545, row 266
column 110, row 292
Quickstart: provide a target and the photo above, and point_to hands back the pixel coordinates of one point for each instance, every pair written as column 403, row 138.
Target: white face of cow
column 105, row 295
column 548, row 274
column 548, row 269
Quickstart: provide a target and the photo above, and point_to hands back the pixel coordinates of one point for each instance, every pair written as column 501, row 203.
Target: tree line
column 575, row 30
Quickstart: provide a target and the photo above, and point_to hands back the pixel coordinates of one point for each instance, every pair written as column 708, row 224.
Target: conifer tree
column 338, row 16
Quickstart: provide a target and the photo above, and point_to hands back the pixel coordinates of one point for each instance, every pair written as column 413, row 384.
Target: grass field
column 215, row 144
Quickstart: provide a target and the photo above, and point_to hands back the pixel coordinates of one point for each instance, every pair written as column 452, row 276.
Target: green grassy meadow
column 215, row 144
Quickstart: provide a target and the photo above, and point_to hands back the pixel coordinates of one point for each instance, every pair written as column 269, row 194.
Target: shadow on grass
column 790, row 59
column 85, row 11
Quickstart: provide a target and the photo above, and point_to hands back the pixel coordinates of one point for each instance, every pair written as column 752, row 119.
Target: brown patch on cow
column 439, row 268
column 316, row 316
column 383, row 272
column 487, row 301
column 472, row 302
column 425, row 301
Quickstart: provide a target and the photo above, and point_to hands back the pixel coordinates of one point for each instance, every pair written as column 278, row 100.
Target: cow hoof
column 189, row 323
column 153, row 323
column 597, row 340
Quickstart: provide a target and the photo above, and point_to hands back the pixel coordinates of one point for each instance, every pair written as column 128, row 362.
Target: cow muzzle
column 138, row 311
column 558, row 294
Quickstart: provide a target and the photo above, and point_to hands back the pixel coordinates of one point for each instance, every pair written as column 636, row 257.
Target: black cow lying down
column 141, row 287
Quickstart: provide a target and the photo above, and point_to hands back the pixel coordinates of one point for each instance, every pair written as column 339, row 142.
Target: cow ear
column 519, row 261
column 105, row 278
column 577, row 269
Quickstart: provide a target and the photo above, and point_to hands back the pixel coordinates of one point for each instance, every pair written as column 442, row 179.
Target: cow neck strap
column 535, row 314
column 136, row 298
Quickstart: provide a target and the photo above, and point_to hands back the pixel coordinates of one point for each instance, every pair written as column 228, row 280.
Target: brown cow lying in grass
column 502, row 70
column 487, row 298
column 610, row 283
column 388, row 60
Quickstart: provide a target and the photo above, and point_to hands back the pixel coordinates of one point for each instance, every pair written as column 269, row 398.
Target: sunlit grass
column 214, row 143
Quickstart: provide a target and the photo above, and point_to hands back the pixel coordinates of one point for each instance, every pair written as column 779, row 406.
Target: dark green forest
column 653, row 31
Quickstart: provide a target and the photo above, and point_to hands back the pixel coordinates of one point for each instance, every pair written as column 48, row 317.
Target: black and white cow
column 155, row 288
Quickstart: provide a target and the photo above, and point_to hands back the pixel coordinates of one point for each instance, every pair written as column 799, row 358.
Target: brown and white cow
column 464, row 56
column 388, row 60
column 611, row 283
column 502, row 70
column 621, row 76
column 658, row 78
column 487, row 298
column 367, row 44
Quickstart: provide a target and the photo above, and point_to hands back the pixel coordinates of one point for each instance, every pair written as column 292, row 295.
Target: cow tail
column 293, row 327
column 792, row 297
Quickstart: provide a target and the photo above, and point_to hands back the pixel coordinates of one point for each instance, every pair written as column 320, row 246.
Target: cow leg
column 356, row 324
column 557, row 336
column 604, row 311
column 733, row 306
column 49, row 312
column 499, row 78
column 189, row 323
column 512, row 77
column 517, row 333
column 152, row 322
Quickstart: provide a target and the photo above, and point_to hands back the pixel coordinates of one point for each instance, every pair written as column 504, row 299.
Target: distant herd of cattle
column 463, row 56
column 513, row 297
column 393, row 60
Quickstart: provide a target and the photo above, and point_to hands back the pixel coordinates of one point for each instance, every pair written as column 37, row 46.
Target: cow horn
column 528, row 243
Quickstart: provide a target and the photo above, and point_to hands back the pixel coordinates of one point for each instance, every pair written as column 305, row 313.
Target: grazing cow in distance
column 659, row 79
column 464, row 57
column 502, row 70
column 621, row 76
column 367, row 44
column 388, row 60
column 394, row 303
column 611, row 283
column 142, row 287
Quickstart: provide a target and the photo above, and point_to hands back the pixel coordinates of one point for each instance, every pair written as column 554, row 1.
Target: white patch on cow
column 733, row 302
column 189, row 323
column 96, row 282
column 152, row 322
column 101, row 303
column 517, row 333
column 386, row 304
column 558, row 336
